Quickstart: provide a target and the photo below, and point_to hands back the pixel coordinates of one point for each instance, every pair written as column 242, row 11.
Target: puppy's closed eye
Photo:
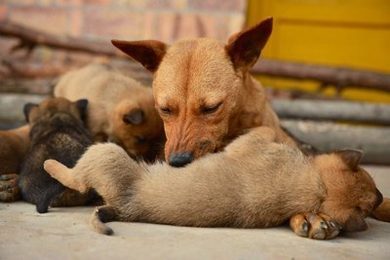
column 134, row 117
column 140, row 139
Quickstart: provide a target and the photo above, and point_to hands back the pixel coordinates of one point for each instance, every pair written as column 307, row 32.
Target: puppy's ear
column 27, row 109
column 355, row 223
column 350, row 157
column 244, row 48
column 134, row 117
column 82, row 105
column 149, row 53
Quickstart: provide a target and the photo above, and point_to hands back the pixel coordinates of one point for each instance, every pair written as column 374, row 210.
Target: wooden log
column 41, row 86
column 337, row 76
column 374, row 141
column 333, row 110
column 30, row 38
column 11, row 108
column 22, row 69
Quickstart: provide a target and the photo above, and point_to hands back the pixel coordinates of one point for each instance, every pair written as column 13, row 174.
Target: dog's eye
column 166, row 110
column 210, row 109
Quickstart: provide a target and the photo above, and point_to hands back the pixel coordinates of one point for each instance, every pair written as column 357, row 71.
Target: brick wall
column 166, row 20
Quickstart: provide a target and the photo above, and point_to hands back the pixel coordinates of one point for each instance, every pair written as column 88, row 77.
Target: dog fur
column 203, row 89
column 120, row 109
column 254, row 182
column 13, row 147
column 57, row 131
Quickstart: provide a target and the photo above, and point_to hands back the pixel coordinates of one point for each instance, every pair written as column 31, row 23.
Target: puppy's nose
column 379, row 198
column 180, row 159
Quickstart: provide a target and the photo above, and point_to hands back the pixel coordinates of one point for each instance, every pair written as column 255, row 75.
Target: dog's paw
column 316, row 226
column 9, row 190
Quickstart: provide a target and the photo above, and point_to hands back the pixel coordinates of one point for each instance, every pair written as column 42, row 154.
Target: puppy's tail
column 382, row 212
column 100, row 216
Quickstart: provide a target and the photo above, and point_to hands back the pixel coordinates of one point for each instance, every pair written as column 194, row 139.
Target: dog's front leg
column 316, row 226
column 9, row 190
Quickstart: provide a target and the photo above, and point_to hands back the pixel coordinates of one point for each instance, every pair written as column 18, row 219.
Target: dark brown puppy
column 57, row 131
column 13, row 147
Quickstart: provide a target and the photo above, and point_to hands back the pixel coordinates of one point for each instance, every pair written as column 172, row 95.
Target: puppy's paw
column 316, row 226
column 9, row 190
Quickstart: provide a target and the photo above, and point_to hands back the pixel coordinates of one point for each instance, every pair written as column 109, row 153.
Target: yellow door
column 350, row 33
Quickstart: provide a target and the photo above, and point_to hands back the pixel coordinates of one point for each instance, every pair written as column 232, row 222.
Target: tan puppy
column 255, row 182
column 204, row 92
column 13, row 147
column 120, row 108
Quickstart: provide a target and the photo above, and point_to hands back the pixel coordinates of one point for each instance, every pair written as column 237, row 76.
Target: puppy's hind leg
column 64, row 175
column 45, row 198
column 102, row 215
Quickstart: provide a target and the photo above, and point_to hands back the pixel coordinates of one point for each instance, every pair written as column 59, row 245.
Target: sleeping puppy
column 14, row 144
column 120, row 109
column 254, row 182
column 57, row 131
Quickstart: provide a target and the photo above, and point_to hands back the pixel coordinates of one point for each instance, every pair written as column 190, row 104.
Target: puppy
column 120, row 109
column 204, row 92
column 13, row 147
column 254, row 182
column 57, row 131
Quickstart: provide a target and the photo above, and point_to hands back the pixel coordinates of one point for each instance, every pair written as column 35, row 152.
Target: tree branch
column 339, row 77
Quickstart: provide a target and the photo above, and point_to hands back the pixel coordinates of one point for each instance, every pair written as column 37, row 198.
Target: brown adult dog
column 13, row 147
column 255, row 182
column 120, row 108
column 204, row 92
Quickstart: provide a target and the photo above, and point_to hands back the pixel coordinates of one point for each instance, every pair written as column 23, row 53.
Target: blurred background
column 326, row 66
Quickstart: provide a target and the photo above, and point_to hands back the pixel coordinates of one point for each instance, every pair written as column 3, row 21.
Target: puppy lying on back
column 120, row 108
column 57, row 131
column 13, row 146
column 254, row 182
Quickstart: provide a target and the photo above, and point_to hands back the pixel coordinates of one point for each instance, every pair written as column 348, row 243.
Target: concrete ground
column 64, row 234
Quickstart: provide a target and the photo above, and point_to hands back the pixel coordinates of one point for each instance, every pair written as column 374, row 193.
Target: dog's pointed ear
column 149, row 52
column 27, row 109
column 244, row 48
column 350, row 157
column 82, row 106
column 134, row 117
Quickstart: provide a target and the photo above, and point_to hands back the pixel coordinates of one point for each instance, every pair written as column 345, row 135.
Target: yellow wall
column 352, row 33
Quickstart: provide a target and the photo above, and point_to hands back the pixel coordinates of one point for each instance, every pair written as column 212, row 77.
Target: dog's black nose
column 180, row 159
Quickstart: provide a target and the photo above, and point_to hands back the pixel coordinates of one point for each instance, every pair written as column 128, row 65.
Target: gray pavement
column 64, row 234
